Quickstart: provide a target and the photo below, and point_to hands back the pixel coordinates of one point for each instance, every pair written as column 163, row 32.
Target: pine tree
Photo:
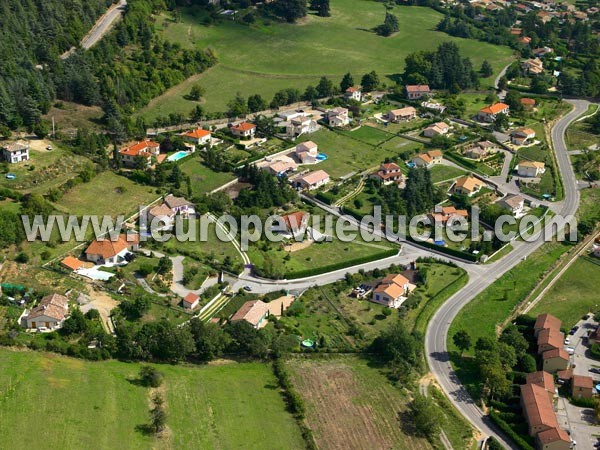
column 346, row 82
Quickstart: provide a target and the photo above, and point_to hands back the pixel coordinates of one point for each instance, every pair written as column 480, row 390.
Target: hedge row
column 294, row 402
column 461, row 161
column 506, row 428
column 342, row 264
column 325, row 197
column 446, row 250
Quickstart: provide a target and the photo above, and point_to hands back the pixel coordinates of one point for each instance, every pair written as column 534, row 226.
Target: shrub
column 150, row 376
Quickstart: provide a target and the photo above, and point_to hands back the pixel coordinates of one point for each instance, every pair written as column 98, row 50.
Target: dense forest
column 34, row 34
column 443, row 68
column 32, row 74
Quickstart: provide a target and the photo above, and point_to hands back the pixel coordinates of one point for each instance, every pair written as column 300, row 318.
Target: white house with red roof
column 313, row 180
column 389, row 173
column 244, row 130
column 144, row 149
column 392, row 291
column 353, row 93
column 198, row 136
column 105, row 251
column 489, row 113
column 190, row 301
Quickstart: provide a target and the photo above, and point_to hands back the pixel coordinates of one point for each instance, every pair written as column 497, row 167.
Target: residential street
column 437, row 331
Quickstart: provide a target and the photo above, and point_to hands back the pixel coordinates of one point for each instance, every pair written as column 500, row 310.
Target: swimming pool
column 177, row 156
column 321, row 157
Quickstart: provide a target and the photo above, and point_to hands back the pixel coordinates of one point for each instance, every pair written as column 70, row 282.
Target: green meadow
column 269, row 56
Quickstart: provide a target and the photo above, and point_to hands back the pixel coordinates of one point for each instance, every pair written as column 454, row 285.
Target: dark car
column 247, row 288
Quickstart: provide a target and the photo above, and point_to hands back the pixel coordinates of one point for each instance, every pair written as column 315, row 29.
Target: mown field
column 82, row 404
column 268, row 56
column 351, row 404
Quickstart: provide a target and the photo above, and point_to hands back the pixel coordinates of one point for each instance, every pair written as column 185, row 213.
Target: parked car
column 567, row 341
column 247, row 288
column 570, row 350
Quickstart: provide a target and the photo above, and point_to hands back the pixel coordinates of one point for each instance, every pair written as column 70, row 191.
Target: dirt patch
column 104, row 303
column 351, row 407
column 296, row 246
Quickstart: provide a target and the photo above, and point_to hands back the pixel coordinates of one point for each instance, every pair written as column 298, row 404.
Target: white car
column 567, row 341
column 570, row 350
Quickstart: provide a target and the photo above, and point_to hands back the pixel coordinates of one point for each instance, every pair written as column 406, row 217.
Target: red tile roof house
column 144, row 149
column 416, row 91
column 582, row 386
column 338, row 117
column 436, row 129
column 402, row 114
column 447, row 213
column 244, row 130
column 353, row 93
column 71, row 263
column 313, row 180
column 428, row 159
column 543, row 379
column 489, row 113
column 537, row 409
column 520, row 136
column 106, row 252
column 255, row 312
column 555, row 360
column 553, row 439
column 50, row 313
column 544, row 321
column 549, row 339
column 190, row 301
column 392, row 291
column 198, row 136
column 295, row 223
column 389, row 173
column 307, row 152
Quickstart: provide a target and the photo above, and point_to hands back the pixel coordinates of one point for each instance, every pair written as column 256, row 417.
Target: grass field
column 95, row 405
column 267, row 57
column 574, row 294
column 483, row 315
column 318, row 254
column 358, row 150
column 203, row 179
column 351, row 404
column 496, row 303
column 579, row 135
column 107, row 194
column 442, row 172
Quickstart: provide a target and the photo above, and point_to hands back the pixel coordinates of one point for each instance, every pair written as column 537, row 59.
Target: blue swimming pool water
column 177, row 156
column 410, row 164
column 321, row 157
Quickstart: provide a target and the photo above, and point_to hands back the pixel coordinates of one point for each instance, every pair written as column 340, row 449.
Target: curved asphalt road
column 437, row 330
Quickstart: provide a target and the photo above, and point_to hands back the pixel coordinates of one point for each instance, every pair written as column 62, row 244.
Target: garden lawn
column 267, row 57
column 95, row 405
column 106, row 194
column 346, row 155
column 574, row 294
column 203, row 179
column 441, row 172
